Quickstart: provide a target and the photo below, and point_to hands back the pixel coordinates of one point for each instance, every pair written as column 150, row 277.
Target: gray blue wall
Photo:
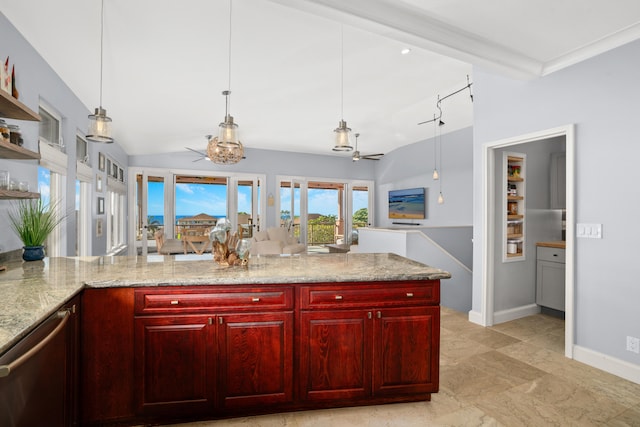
column 602, row 97
column 37, row 81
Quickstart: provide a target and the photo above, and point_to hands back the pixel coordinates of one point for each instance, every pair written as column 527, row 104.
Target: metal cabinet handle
column 5, row 370
column 379, row 314
column 338, row 297
column 369, row 315
column 175, row 302
column 255, row 299
column 409, row 294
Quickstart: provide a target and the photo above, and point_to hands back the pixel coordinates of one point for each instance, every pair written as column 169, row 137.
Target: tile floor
column 512, row 374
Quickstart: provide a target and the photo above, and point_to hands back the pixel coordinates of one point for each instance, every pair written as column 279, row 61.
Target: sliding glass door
column 325, row 212
column 150, row 213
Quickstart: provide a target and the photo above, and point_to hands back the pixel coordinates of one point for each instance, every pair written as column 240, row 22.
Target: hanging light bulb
column 440, row 198
column 342, row 137
column 100, row 123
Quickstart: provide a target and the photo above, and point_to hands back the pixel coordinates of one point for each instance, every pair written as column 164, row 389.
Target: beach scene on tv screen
column 407, row 204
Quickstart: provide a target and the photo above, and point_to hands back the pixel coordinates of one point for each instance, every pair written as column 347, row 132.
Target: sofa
column 275, row 241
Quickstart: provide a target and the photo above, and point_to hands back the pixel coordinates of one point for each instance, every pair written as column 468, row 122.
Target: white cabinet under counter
column 550, row 273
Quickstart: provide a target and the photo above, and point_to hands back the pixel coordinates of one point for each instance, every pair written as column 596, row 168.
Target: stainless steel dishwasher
column 37, row 375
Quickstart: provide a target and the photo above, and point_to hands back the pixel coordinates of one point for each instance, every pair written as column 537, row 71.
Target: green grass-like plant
column 33, row 221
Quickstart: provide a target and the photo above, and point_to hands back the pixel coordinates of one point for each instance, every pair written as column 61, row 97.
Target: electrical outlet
column 633, row 344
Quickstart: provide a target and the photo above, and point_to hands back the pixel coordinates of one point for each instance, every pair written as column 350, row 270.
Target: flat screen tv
column 407, row 204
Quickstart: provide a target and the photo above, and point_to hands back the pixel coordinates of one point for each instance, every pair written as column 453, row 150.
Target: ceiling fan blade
column 197, row 151
column 372, row 156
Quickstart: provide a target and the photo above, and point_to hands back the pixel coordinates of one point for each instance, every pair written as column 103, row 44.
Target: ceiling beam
column 409, row 24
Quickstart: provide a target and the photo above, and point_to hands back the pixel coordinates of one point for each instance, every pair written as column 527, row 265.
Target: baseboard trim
column 612, row 365
column 476, row 317
column 515, row 313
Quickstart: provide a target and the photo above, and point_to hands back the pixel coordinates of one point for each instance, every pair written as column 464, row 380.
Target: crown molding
column 611, row 41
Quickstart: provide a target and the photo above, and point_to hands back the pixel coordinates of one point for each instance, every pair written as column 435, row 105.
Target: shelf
column 515, row 198
column 514, row 159
column 13, row 194
column 515, row 236
column 13, row 151
column 512, row 217
column 514, row 179
column 11, row 108
column 514, row 255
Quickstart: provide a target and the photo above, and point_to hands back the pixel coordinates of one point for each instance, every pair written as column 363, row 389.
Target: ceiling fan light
column 100, row 127
column 343, row 142
column 224, row 154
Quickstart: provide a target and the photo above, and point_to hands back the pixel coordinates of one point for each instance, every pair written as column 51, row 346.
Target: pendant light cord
column 229, row 59
column 342, row 72
column 101, row 47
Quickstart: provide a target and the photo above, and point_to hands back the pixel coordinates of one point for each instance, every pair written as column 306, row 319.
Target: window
column 50, row 126
column 82, row 154
column 116, row 216
column 52, row 174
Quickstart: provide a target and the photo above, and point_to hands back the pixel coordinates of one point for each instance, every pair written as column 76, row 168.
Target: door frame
column 489, row 234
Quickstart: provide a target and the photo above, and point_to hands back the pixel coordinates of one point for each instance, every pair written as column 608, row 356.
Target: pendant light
column 435, row 164
column 226, row 148
column 100, row 123
column 342, row 137
column 440, row 196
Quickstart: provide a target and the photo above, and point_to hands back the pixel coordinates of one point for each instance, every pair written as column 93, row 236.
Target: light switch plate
column 589, row 231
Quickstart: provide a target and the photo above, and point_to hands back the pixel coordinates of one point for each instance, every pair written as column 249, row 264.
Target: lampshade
column 228, row 133
column 100, row 127
column 224, row 154
column 343, row 134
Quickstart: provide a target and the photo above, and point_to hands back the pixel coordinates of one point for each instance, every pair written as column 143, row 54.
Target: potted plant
column 33, row 221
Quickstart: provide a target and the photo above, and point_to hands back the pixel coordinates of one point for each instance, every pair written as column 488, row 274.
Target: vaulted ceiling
column 299, row 66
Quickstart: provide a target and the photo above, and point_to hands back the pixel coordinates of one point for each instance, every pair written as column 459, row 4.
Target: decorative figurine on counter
column 227, row 248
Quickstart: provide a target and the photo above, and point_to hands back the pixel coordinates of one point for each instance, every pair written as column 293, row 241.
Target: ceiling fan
column 203, row 154
column 356, row 154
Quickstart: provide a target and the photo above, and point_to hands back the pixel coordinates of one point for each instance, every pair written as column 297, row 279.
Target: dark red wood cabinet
column 156, row 354
column 390, row 349
column 237, row 353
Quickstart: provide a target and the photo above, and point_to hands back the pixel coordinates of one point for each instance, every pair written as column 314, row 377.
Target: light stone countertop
column 31, row 291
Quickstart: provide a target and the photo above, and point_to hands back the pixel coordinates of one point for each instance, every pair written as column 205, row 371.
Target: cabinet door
column 406, row 351
column 550, row 284
column 256, row 359
column 175, row 365
column 335, row 354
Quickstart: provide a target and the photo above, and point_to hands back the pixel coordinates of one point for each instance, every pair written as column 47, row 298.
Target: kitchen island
column 179, row 337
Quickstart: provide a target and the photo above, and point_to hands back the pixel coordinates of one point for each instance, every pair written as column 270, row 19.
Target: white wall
column 602, row 97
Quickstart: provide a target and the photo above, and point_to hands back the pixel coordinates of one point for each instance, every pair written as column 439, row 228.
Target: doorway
column 491, row 242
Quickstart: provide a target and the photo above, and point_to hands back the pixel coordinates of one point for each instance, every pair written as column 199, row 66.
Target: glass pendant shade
column 436, row 175
column 224, row 154
column 440, row 199
column 228, row 133
column 100, row 127
column 343, row 142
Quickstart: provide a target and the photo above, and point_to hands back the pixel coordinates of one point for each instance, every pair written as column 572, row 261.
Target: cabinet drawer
column 377, row 294
column 151, row 301
column 550, row 254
